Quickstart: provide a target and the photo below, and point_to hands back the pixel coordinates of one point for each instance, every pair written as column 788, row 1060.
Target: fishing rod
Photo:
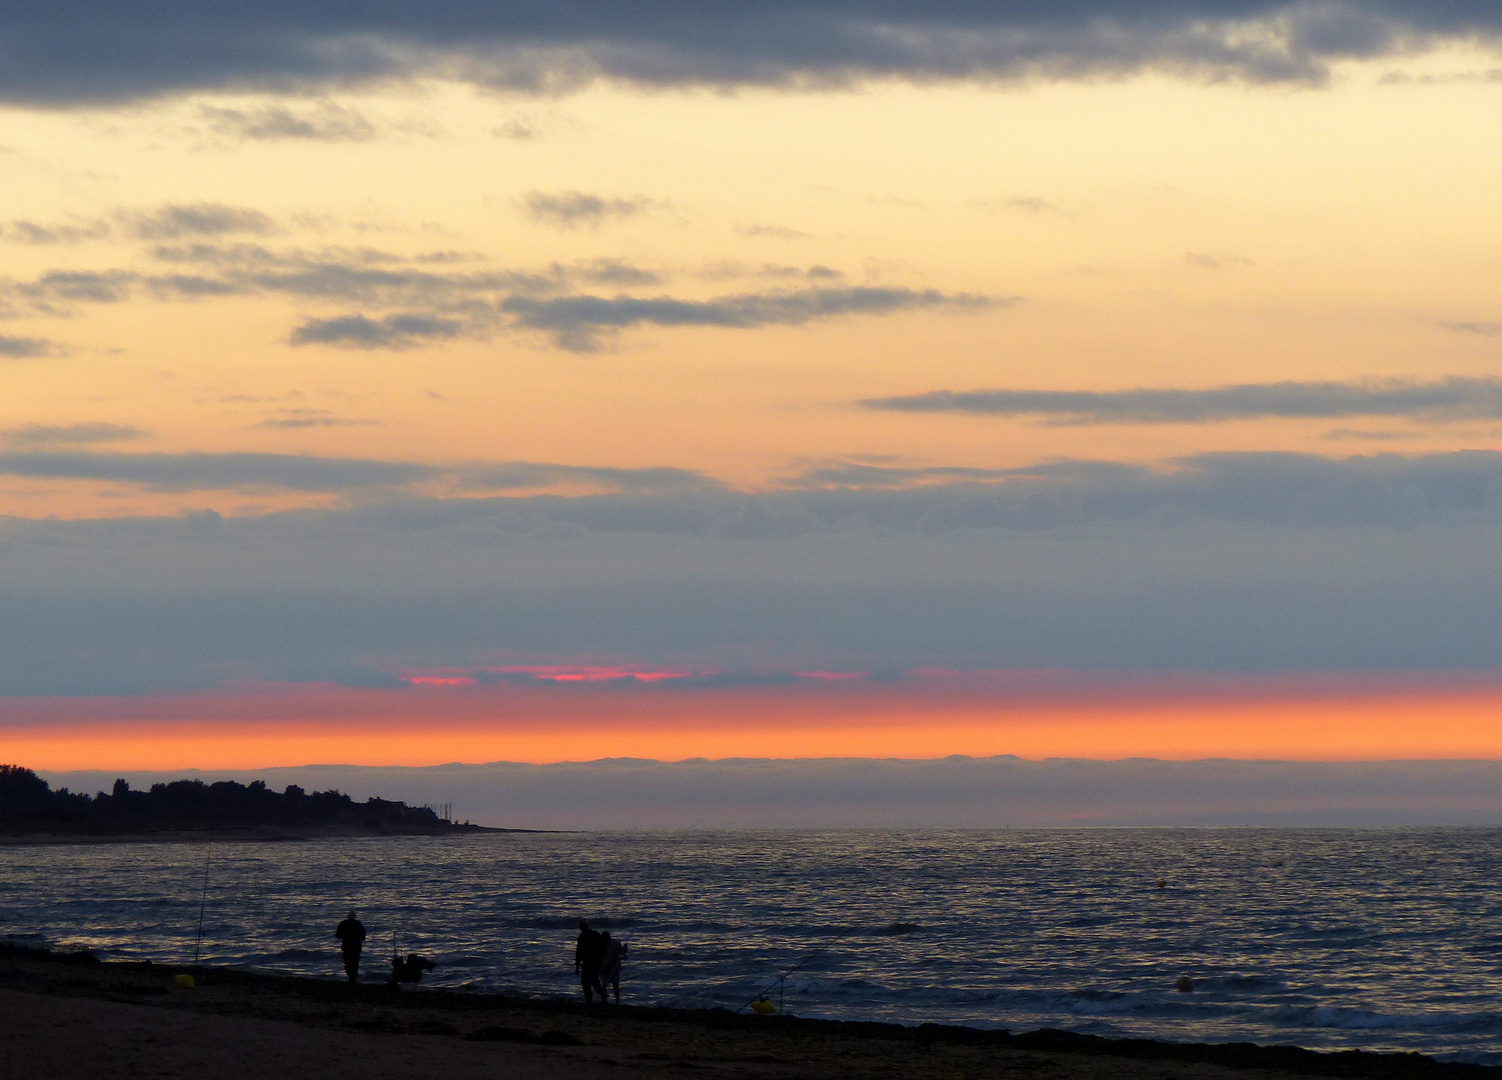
column 203, row 900
column 650, row 891
column 780, row 982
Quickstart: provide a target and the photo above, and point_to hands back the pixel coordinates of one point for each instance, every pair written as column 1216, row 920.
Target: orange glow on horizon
column 1185, row 718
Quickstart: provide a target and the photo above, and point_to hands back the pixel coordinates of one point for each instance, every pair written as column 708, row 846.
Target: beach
column 69, row 1017
column 1302, row 937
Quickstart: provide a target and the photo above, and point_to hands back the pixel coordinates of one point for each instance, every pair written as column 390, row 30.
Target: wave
column 569, row 922
column 1325, row 1016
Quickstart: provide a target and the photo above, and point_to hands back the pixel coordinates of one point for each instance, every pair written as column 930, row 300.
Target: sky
column 948, row 793
column 394, row 385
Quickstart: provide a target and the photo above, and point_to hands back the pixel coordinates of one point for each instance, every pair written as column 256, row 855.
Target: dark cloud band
column 291, row 472
column 26, row 348
column 1231, row 562
column 427, row 305
column 94, row 50
column 579, row 322
column 1449, row 399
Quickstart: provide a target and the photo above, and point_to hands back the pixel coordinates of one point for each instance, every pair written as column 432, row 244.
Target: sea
column 1381, row 939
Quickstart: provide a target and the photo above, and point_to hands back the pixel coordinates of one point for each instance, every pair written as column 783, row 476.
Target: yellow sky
column 1156, row 233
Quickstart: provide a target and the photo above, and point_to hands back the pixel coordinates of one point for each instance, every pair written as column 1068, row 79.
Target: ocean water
column 1384, row 939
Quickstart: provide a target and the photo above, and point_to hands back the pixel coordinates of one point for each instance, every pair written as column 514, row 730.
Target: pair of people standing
column 351, row 935
column 597, row 962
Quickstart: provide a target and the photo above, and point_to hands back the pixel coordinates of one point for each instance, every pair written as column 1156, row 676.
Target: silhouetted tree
column 27, row 802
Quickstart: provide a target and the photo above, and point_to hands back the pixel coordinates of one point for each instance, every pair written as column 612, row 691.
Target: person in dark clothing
column 610, row 970
column 410, row 970
column 351, row 935
column 589, row 954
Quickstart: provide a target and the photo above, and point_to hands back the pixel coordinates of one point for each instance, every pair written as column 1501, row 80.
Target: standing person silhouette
column 351, row 935
column 589, row 954
column 610, row 970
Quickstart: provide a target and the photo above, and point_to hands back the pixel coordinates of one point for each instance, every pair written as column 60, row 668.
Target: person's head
column 583, row 926
column 352, row 913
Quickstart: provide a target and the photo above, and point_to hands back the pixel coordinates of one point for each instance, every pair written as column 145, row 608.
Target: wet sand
column 68, row 1018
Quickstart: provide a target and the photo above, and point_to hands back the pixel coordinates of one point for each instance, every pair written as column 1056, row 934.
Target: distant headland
column 31, row 812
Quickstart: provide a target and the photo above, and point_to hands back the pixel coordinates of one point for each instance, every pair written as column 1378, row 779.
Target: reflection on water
column 1382, row 939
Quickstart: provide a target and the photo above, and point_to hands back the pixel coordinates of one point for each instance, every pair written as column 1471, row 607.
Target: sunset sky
column 398, row 384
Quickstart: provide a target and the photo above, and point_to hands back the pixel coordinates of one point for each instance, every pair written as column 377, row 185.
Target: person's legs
column 352, row 964
column 616, row 985
column 587, row 981
column 591, row 979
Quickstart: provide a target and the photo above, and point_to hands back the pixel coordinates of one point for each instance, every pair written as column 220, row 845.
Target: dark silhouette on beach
column 410, row 970
column 589, row 955
column 610, row 970
column 351, row 935
column 29, row 806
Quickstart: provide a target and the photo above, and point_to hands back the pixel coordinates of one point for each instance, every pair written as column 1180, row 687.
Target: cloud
column 1338, row 434
column 75, row 232
column 1453, row 398
column 1486, row 329
column 1031, row 204
column 334, row 273
column 400, row 331
column 26, row 348
column 776, row 232
column 1023, row 204
column 1226, row 562
column 530, row 475
column 606, row 272
column 70, row 434
column 168, row 222
column 245, row 257
column 194, row 471
column 95, row 287
column 1207, row 261
column 325, row 123
column 858, row 474
column 955, row 792
column 91, row 51
column 435, row 305
column 174, row 221
column 295, row 419
column 519, row 130
column 576, row 322
column 291, row 472
column 727, row 270
column 571, row 209
column 1403, row 78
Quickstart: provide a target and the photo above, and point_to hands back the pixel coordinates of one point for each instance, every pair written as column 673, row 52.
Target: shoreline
column 473, row 1028
column 246, row 834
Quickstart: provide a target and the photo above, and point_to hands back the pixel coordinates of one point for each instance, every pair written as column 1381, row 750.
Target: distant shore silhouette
column 30, row 811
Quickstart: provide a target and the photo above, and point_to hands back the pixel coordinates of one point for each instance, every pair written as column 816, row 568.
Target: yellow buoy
column 184, row 982
column 1162, row 883
column 763, row 1007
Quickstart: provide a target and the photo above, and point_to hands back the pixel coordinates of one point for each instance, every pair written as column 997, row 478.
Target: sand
column 77, row 1020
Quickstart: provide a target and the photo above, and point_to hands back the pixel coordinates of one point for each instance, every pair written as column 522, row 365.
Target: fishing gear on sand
column 203, row 900
column 762, row 1005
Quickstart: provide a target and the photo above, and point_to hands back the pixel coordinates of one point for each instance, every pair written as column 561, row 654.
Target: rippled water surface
column 1381, row 939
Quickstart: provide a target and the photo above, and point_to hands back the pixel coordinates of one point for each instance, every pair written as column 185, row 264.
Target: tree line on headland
column 28, row 805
